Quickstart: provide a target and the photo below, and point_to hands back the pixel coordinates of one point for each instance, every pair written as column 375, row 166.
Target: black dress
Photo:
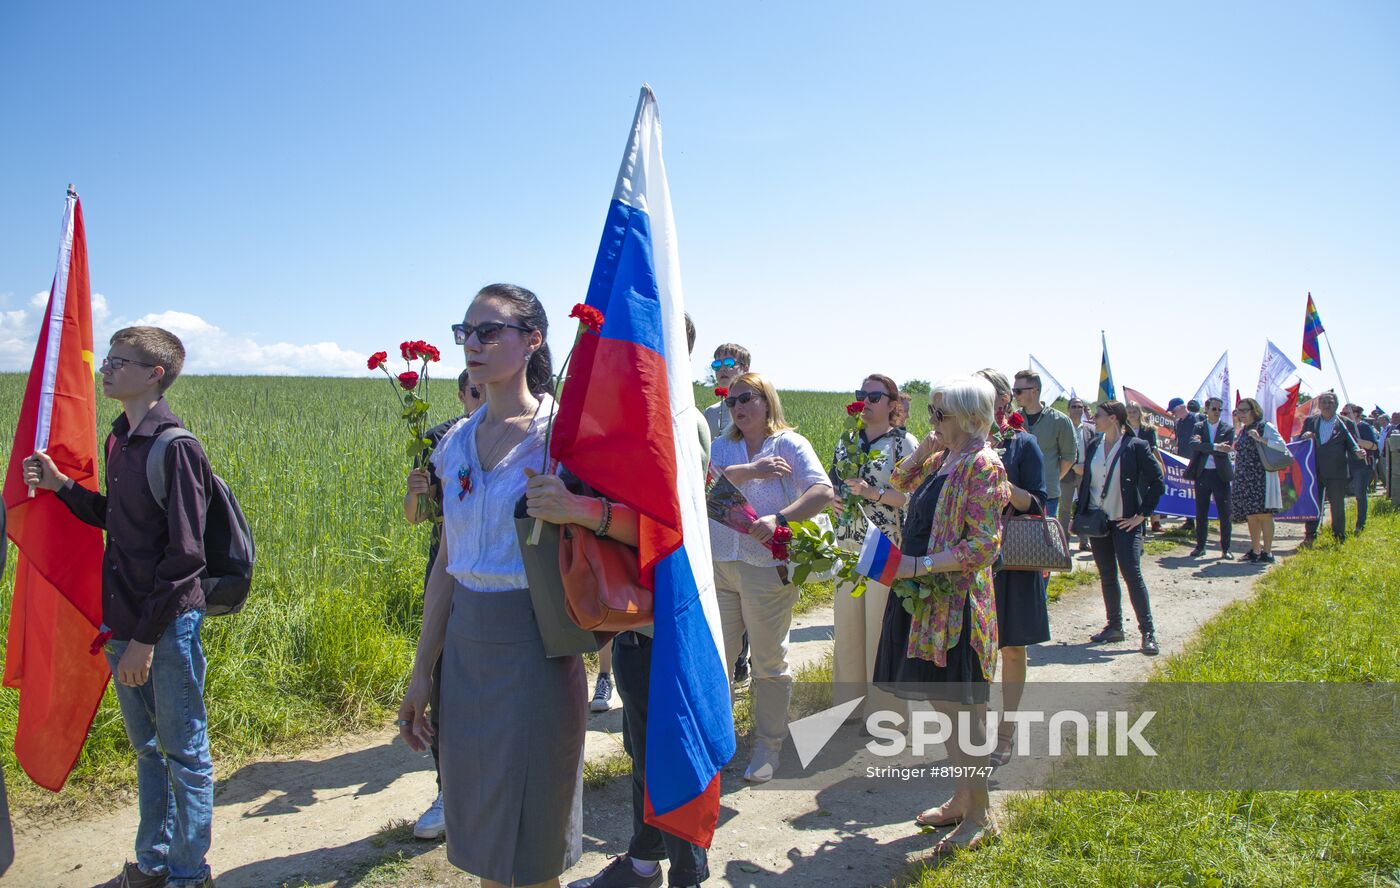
column 1023, row 614
column 961, row 680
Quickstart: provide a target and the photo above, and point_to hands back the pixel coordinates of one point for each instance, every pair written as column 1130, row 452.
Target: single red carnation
column 407, row 380
column 588, row 316
column 854, row 408
column 1016, row 421
column 429, row 352
column 406, row 349
column 377, row 360
column 721, row 392
column 782, row 534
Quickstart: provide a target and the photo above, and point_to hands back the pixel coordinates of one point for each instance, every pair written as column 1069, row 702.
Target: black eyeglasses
column 115, row 364
column 1216, row 409
column 744, row 398
column 488, row 333
column 723, row 362
column 936, row 414
column 872, row 397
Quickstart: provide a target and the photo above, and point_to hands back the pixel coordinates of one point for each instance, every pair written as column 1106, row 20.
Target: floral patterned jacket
column 967, row 523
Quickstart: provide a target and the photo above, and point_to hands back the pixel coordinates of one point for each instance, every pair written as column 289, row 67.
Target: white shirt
column 478, row 527
column 1112, row 501
column 768, row 496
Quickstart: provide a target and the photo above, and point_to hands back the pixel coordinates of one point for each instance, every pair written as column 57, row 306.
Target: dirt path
column 321, row 818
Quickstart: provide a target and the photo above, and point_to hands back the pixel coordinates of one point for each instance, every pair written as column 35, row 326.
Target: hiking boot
column 433, row 823
column 1149, row 644
column 620, row 874
column 602, row 695
column 132, row 876
column 1108, row 634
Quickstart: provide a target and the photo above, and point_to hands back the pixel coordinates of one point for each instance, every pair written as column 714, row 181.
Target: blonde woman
column 778, row 472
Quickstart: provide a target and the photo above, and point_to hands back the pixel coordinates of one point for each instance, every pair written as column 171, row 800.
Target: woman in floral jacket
column 939, row 639
column 860, row 473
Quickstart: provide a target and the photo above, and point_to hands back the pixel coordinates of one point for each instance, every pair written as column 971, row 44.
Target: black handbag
column 1093, row 521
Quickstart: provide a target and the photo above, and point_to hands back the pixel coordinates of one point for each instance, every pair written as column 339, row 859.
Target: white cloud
column 208, row 348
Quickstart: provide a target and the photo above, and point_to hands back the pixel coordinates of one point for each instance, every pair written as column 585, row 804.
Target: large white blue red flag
column 628, row 427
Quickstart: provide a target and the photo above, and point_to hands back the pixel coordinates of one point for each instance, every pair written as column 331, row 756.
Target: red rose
column 588, row 316
column 407, row 380
column 721, row 392
column 854, row 408
column 779, row 551
column 1016, row 421
column 782, row 534
column 377, row 360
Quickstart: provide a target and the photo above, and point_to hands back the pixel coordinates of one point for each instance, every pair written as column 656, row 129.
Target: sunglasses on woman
column 744, row 398
column 936, row 414
column 488, row 333
column 723, row 362
column 872, row 397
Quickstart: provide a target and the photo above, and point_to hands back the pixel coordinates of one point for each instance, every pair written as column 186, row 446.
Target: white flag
column 1275, row 368
column 1050, row 388
column 1217, row 384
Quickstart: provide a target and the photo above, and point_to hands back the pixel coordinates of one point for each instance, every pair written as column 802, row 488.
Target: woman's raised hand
column 770, row 467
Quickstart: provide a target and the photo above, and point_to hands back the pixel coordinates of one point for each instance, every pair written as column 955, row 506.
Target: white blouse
column 1112, row 502
column 478, row 506
column 767, row 497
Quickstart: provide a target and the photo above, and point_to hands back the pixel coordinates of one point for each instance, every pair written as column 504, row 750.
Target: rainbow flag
column 1312, row 326
column 1107, row 392
column 879, row 557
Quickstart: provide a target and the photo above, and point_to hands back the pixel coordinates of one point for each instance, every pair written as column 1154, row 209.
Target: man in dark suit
column 1335, row 442
column 1212, row 442
column 1186, row 419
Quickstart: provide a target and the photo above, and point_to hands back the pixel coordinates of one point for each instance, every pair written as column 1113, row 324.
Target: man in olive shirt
column 1059, row 444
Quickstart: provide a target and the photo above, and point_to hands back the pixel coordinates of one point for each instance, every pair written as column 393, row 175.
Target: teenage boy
column 152, row 606
column 432, row 824
column 731, row 361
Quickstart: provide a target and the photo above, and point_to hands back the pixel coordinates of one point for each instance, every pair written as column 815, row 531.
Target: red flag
column 57, row 608
column 1288, row 412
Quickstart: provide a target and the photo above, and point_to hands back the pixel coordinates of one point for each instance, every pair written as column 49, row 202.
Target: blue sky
column 917, row 189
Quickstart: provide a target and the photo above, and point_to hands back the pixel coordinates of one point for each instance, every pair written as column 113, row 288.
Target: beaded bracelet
column 606, row 524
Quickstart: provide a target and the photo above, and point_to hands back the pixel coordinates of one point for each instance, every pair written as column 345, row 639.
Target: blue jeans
column 166, row 724
column 1052, row 508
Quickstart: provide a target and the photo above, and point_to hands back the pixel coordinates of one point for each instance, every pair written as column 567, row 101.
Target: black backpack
column 228, row 542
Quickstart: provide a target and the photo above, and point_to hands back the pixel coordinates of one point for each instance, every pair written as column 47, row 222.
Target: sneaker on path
column 131, row 876
column 432, row 824
column 620, row 874
column 602, row 695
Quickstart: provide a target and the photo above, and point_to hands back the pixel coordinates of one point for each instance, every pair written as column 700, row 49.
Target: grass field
column 326, row 641
column 1329, row 614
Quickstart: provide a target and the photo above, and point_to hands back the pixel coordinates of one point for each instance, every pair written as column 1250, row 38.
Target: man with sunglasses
column 1211, row 470
column 731, row 361
column 1056, row 435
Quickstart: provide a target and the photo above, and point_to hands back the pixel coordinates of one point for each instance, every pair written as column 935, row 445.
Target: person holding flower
column 779, row 473
column 939, row 638
column 513, row 720
column 1023, row 614
column 860, row 471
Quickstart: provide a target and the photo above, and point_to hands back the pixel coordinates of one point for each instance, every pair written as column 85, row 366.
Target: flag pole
column 1336, row 367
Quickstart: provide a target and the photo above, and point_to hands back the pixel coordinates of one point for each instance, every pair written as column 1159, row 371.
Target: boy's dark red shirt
column 154, row 558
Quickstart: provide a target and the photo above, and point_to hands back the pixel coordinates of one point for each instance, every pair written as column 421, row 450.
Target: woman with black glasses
column 779, row 474
column 884, row 444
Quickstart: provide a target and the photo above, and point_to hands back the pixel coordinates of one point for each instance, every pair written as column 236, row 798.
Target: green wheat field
column 326, row 641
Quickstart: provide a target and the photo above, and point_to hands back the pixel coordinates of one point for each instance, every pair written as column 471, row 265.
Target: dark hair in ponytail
column 528, row 311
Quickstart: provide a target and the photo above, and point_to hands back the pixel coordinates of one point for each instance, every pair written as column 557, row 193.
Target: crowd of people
column 506, row 723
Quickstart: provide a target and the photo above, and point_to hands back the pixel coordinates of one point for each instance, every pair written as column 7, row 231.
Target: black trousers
column 1120, row 551
column 632, row 669
column 1333, row 496
column 1361, row 489
column 1211, row 486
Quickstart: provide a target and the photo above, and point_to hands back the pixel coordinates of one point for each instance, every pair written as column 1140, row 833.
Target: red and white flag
column 56, row 614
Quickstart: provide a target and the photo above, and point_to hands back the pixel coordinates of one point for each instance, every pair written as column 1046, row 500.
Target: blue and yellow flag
column 1107, row 392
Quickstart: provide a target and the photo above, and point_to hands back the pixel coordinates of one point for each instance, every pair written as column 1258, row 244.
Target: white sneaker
column 763, row 765
column 602, row 695
column 432, row 825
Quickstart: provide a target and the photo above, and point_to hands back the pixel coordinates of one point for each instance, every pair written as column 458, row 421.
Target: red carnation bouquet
column 411, row 394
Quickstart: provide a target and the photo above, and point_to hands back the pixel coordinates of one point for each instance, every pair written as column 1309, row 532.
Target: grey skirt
column 511, row 748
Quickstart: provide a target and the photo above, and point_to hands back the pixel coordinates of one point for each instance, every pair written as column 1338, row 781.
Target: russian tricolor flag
column 879, row 557
column 628, row 427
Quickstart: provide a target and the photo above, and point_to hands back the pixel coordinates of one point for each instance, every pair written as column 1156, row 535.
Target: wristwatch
column 781, row 519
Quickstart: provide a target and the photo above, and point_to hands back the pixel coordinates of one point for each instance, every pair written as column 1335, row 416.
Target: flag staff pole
column 1336, row 367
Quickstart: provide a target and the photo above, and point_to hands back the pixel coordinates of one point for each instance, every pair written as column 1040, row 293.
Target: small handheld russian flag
column 879, row 557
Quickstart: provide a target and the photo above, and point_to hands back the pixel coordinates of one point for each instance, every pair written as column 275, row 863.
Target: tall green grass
column 1330, row 614
column 326, row 641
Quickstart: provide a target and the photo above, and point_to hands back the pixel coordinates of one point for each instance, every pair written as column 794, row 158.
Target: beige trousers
column 754, row 600
column 857, row 636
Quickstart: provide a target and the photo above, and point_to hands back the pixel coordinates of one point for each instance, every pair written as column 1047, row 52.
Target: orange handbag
column 603, row 591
